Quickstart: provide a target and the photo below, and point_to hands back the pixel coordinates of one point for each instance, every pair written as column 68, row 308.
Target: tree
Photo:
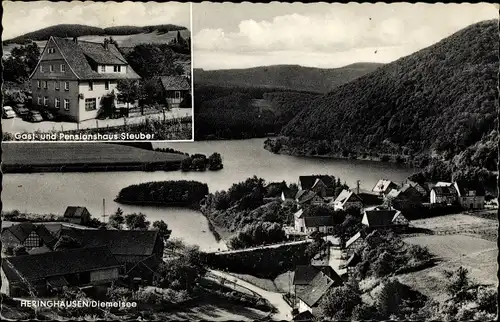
column 128, row 91
column 215, row 161
column 458, row 284
column 186, row 164
column 163, row 229
column 339, row 302
column 150, row 60
column 152, row 92
column 117, row 219
column 66, row 242
column 21, row 63
column 199, row 163
column 136, row 221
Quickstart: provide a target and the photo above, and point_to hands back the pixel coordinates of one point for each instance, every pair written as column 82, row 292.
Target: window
column 103, row 69
column 66, row 86
column 37, row 84
column 45, row 101
column 91, row 86
column 41, row 68
column 177, row 94
column 51, row 50
column 57, row 102
column 45, row 84
column 51, row 68
column 39, row 100
column 63, row 68
column 56, row 85
column 117, row 68
column 66, row 104
column 106, row 85
column 90, row 104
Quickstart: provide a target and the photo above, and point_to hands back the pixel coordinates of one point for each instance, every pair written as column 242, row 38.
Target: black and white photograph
column 96, row 71
column 343, row 168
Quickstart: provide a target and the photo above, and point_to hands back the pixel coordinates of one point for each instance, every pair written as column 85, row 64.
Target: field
column 80, row 153
column 477, row 255
column 122, row 40
column 461, row 223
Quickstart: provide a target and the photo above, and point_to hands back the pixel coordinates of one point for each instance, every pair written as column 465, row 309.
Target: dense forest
column 235, row 112
column 169, row 193
column 440, row 101
column 293, row 77
column 75, row 30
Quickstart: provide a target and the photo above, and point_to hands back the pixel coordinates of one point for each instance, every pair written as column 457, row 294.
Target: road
column 17, row 125
column 276, row 299
column 262, row 247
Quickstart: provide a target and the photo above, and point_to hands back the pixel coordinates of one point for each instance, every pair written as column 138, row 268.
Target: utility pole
column 104, row 210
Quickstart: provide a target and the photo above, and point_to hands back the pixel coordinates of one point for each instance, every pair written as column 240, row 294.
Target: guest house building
column 72, row 77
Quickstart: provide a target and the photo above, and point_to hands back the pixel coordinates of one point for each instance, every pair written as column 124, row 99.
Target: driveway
column 276, row 299
column 18, row 125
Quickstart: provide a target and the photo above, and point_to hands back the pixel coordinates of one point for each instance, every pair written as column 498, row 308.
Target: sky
column 227, row 35
column 23, row 17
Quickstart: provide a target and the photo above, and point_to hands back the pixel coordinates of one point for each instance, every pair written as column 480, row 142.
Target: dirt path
column 276, row 299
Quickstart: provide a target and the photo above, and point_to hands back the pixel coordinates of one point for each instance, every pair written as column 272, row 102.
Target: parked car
column 8, row 112
column 33, row 116
column 21, row 110
column 47, row 115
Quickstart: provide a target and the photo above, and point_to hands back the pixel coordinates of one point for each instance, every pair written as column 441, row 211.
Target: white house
column 347, row 200
column 470, row 196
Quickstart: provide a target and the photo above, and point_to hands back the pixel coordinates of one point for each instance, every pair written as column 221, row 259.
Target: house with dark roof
column 470, row 195
column 384, row 186
column 406, row 197
column 175, row 89
column 308, row 197
column 442, row 194
column 323, row 185
column 380, row 218
column 28, row 235
column 423, row 189
column 347, row 200
column 140, row 251
column 77, row 215
column 311, row 283
column 42, row 274
column 287, row 194
column 73, row 77
column 304, row 222
column 354, row 243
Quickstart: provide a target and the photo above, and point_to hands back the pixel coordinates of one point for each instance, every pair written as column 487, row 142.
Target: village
column 91, row 257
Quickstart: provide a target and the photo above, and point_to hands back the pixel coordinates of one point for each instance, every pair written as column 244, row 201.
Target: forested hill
column 75, row 30
column 285, row 76
column 438, row 101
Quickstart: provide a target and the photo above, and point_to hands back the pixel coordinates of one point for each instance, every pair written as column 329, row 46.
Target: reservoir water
column 53, row 192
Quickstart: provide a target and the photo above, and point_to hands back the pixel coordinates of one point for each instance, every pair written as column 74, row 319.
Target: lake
column 53, row 192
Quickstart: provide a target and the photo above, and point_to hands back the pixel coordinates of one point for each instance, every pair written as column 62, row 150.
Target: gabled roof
column 464, row 187
column 444, row 190
column 382, row 185
column 324, row 278
column 305, row 195
column 353, row 239
column 120, row 242
column 304, row 274
column 287, row 193
column 175, row 83
column 299, row 213
column 346, row 196
column 380, row 218
column 394, row 193
column 353, row 260
column 304, row 316
column 41, row 266
column 23, row 230
column 75, row 212
column 78, row 53
column 322, row 221
column 307, row 182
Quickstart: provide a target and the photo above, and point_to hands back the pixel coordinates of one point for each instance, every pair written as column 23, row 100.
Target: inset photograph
column 93, row 71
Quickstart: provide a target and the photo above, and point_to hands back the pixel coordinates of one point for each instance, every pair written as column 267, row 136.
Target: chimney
column 106, row 42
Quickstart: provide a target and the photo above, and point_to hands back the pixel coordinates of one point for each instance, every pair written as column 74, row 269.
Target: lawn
column 80, row 153
column 477, row 255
